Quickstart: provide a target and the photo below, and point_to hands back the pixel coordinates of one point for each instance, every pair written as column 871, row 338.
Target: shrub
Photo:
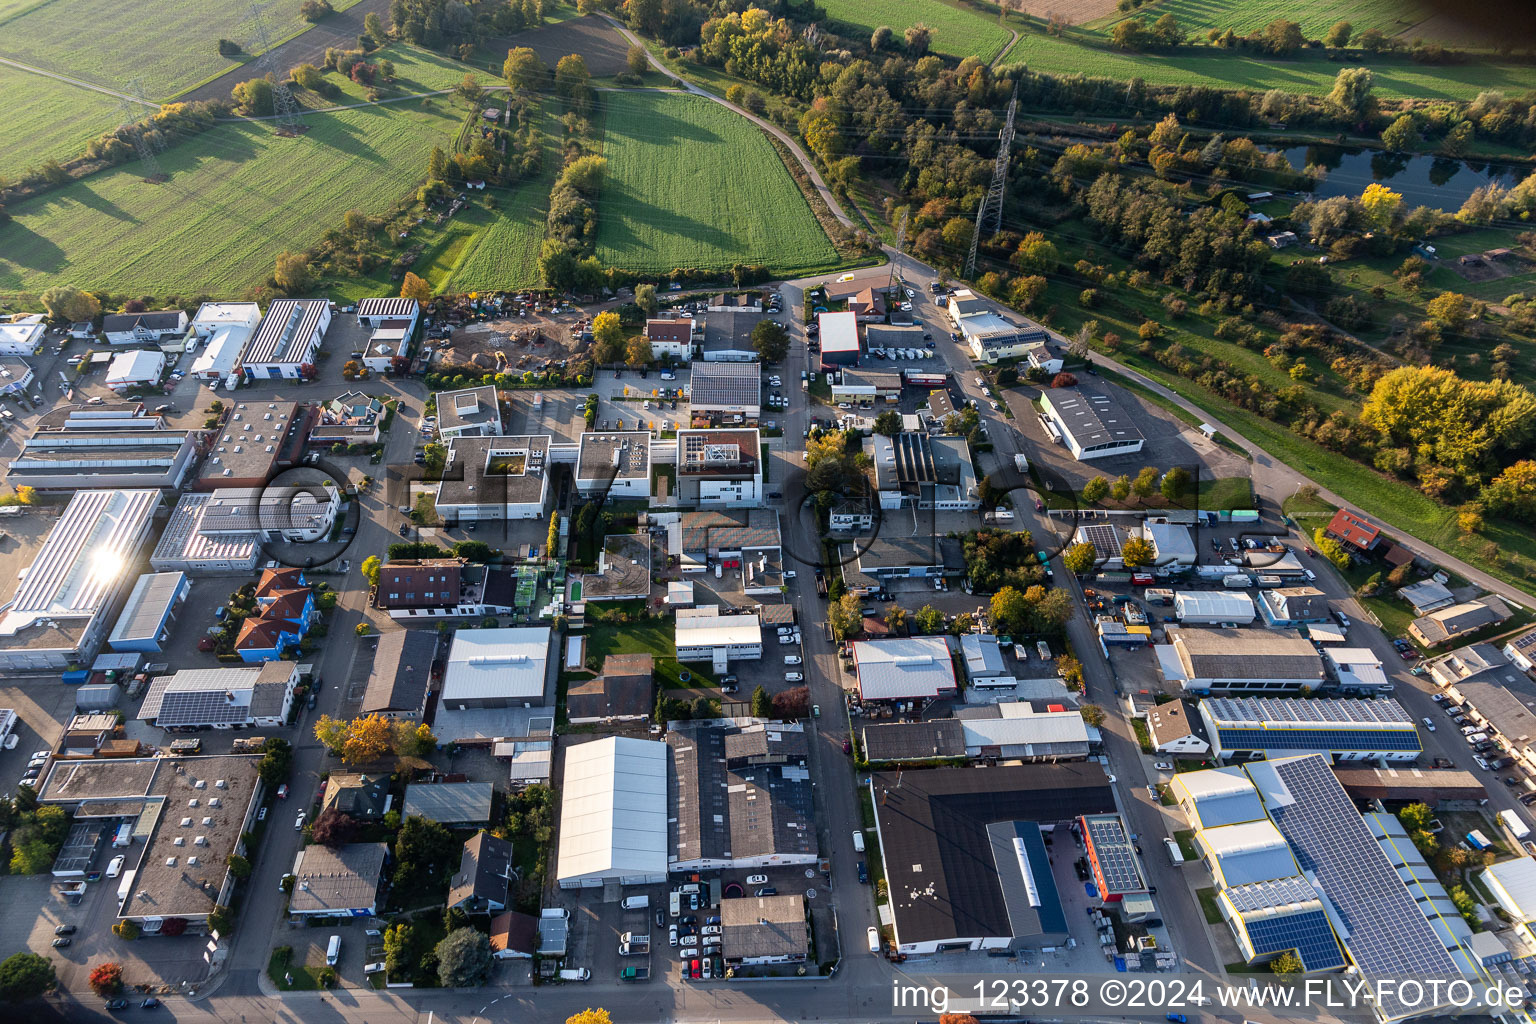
column 228, row 48
column 314, row 10
column 107, row 979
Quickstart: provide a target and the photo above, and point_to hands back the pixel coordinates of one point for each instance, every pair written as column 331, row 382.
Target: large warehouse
column 1276, row 660
column 909, row 668
column 496, row 668
column 703, row 634
column 1091, row 426
column 839, row 340
column 1347, row 730
column 1213, row 607
column 726, row 387
column 61, row 610
column 613, row 813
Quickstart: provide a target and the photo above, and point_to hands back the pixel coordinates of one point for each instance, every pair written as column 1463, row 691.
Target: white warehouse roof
column 613, row 814
column 918, row 666
column 705, row 627
column 1513, row 884
column 1214, row 606
column 489, row 663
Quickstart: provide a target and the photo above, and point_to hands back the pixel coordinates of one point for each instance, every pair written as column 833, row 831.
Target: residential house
column 143, row 328
column 485, row 872
column 1447, row 624
column 285, row 608
column 350, row 418
column 670, row 339
column 1356, row 531
column 357, row 795
column 514, row 936
column 1173, row 730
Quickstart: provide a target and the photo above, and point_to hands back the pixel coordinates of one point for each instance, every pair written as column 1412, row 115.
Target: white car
column 115, row 868
column 794, row 677
column 789, row 574
column 786, row 631
column 672, row 935
column 786, row 639
column 298, row 823
column 980, row 382
column 710, row 929
column 1484, row 765
column 791, row 659
column 1163, row 766
column 688, row 940
column 757, row 879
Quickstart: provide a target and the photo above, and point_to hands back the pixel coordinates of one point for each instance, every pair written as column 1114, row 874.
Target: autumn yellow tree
column 368, row 739
column 414, row 287
column 637, row 351
column 590, row 1016
column 1380, row 204
column 413, row 739
column 607, row 337
column 331, row 731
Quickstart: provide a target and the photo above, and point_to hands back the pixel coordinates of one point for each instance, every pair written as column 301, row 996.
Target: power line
column 996, row 190
column 284, row 106
column 133, row 124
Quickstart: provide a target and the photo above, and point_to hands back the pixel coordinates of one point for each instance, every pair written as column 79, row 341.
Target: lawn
column 505, row 253
column 616, row 627
column 416, row 71
column 52, row 120
column 168, row 46
column 957, row 31
column 1208, row 905
column 237, row 196
column 1310, row 72
column 691, row 184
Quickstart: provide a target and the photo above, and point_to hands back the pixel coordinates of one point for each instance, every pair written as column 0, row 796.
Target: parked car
column 61, row 943
column 1163, row 766
column 757, row 879
column 298, row 823
column 64, row 929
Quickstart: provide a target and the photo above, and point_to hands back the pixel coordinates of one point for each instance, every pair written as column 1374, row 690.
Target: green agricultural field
column 957, row 31
column 50, row 120
column 417, row 71
column 1315, row 17
column 1227, row 69
column 169, row 45
column 691, row 184
column 237, row 196
column 506, row 253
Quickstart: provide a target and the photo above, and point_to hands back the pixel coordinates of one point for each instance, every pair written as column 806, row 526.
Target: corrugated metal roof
column 613, row 813
column 489, row 663
column 907, row 667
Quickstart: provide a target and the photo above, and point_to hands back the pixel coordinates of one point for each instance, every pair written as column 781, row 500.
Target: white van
column 333, row 951
column 636, row 902
column 576, row 974
column 873, row 934
column 674, row 903
column 858, row 841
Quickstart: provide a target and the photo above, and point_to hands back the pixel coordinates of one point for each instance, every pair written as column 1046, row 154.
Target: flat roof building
column 61, row 610
column 1091, row 426
column 496, row 668
column 613, row 813
column 1357, row 669
column 222, row 698
column 764, row 930
column 839, row 337
column 145, row 622
column 1344, row 729
column 1216, row 797
column 489, row 478
column 185, row 546
column 224, row 329
column 455, row 804
column 726, row 387
column 720, row 467
column 992, row 337
column 704, row 634
column 907, row 668
column 472, row 412
column 1213, row 607
column 614, row 463
column 1019, row 732
column 1201, row 660
column 257, row 440
column 1247, row 852
column 924, row 471
column 100, row 448
column 964, row 855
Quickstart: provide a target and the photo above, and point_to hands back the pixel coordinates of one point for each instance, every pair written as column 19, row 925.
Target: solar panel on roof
column 1320, row 739
column 1116, row 859
column 1307, row 933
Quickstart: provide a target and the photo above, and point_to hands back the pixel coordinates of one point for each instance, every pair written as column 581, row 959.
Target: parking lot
column 622, row 401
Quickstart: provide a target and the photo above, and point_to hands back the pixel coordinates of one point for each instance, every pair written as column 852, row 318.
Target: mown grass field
column 417, row 71
column 237, row 196
column 168, row 45
column 691, row 184
column 50, row 120
column 1315, row 17
column 505, row 253
column 1310, row 72
column 957, row 31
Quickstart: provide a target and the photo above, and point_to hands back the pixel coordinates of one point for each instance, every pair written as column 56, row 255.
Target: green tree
column 645, row 298
column 1330, row 548
column 1052, row 611
column 1283, row 38
column 770, row 341
column 1080, row 558
column 636, row 60
column 1289, row 963
column 1513, row 492
column 1092, row 714
column 888, row 423
column 253, row 98
column 1037, row 254
column 844, row 616
column 524, row 72
column 292, row 273
column 552, row 539
column 1351, row 94
column 607, row 338
column 464, row 958
column 1338, row 36
column 1095, row 489
column 1448, row 311
column 25, row 976
column 238, row 866
column 1121, row 488
column 397, row 948
column 1137, row 552
column 762, row 704
column 373, row 28
column 1010, row 610
column 1145, row 483
column 66, row 302
column 895, row 618
column 572, row 80
column 1402, row 134
column 1176, row 483
column 928, row 620
column 276, row 762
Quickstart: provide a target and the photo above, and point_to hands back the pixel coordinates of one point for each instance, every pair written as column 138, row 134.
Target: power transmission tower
column 992, row 202
column 285, row 108
column 901, row 243
column 134, row 112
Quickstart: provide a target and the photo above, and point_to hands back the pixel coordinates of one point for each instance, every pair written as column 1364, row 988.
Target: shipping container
column 1517, row 827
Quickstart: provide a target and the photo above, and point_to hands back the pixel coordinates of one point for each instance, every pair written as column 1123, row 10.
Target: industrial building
column 983, row 658
column 923, row 471
column 349, row 418
column 1201, row 660
column 1288, row 607
column 1216, row 797
column 726, row 388
column 496, row 668
column 908, row 668
column 1091, row 426
column 455, row 804
column 739, row 797
column 222, row 329
column 401, row 679
column 60, row 612
column 145, row 622
column 764, row 930
column 288, row 339
column 1213, row 608
column 138, row 368
column 1345, row 729
column 1173, row 547
column 965, row 857
column 257, row 439
column 613, row 813
column 1356, row 670
column 991, row 337
column 1447, row 624
column 1272, row 917
column 340, row 881
column 839, row 337
column 491, row 478
column 1017, row 732
column 222, row 698
column 186, row 546
column 1111, row 855
column 704, row 634
column 108, row 446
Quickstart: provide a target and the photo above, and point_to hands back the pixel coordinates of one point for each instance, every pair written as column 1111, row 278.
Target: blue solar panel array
column 1319, row 739
column 1308, row 934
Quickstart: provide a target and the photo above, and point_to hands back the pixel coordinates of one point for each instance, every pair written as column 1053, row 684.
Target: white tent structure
column 613, row 816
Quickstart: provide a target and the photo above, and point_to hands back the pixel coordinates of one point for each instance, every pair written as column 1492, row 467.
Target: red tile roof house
column 1353, row 530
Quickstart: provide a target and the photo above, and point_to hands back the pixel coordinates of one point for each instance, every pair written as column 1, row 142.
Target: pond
column 1440, row 182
